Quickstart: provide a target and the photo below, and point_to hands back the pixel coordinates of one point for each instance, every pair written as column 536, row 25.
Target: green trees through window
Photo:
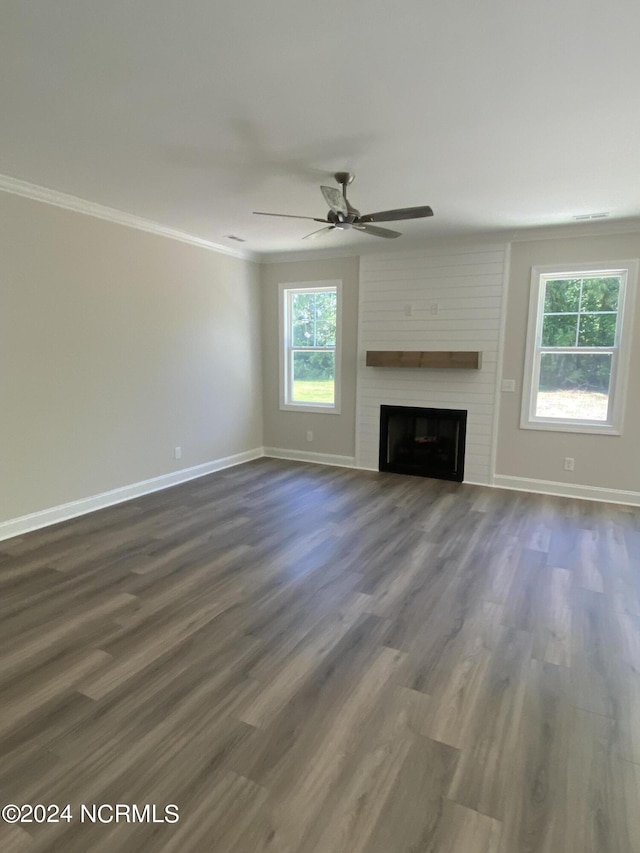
column 310, row 338
column 580, row 313
column 578, row 347
column 313, row 325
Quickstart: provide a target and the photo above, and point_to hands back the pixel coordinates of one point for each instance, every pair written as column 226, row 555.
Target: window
column 310, row 346
column 578, row 347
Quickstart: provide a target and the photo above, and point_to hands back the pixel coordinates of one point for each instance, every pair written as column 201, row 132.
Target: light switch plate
column 508, row 384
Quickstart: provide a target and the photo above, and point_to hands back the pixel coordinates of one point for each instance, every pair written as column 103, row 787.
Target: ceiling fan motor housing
column 341, row 219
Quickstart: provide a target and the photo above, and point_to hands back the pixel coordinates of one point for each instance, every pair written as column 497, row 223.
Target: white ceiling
column 193, row 113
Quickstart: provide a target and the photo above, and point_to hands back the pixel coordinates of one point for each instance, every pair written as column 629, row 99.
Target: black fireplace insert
column 423, row 442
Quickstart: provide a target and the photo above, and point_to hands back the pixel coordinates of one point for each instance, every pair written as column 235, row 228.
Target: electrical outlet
column 309, row 435
column 569, row 463
column 177, row 453
column 408, row 310
column 434, row 308
column 509, row 385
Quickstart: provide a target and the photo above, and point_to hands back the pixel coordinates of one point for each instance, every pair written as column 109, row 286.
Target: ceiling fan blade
column 335, row 200
column 289, row 216
column 320, row 231
column 377, row 232
column 395, row 215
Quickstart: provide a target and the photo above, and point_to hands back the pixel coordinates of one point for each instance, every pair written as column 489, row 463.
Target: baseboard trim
column 307, row 456
column 64, row 512
column 53, row 515
column 566, row 490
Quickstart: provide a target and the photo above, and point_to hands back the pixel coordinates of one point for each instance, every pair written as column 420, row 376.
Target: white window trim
column 283, row 346
column 620, row 364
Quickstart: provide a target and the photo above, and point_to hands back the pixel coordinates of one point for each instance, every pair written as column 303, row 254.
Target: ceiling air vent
column 584, row 216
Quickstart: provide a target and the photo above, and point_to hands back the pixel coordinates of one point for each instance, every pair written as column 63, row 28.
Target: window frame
column 621, row 350
column 286, row 348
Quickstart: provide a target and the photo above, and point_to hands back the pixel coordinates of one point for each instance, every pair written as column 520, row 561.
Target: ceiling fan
column 342, row 215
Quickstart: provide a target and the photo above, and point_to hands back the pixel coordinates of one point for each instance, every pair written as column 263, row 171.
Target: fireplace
column 423, row 442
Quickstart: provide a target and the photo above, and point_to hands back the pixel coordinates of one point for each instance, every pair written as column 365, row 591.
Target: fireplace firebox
column 423, row 442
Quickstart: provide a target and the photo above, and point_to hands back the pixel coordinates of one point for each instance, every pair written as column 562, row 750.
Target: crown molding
column 129, row 220
column 565, row 231
column 578, row 229
column 110, row 214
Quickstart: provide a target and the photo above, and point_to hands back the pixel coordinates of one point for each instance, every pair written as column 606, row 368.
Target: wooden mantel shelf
column 416, row 358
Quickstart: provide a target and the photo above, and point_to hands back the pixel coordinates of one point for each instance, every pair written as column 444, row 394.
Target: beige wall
column 115, row 346
column 334, row 434
column 611, row 462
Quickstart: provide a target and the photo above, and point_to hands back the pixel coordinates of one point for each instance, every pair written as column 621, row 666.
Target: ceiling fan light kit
column 343, row 216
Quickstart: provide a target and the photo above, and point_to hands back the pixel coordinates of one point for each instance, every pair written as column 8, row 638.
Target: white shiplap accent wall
column 467, row 284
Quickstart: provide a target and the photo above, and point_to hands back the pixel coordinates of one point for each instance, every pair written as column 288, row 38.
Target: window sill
column 572, row 426
column 302, row 407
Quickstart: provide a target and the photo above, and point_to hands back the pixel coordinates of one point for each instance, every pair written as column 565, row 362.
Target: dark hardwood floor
column 308, row 659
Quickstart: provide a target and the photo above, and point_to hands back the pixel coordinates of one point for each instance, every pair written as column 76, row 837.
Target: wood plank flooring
column 309, row 659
